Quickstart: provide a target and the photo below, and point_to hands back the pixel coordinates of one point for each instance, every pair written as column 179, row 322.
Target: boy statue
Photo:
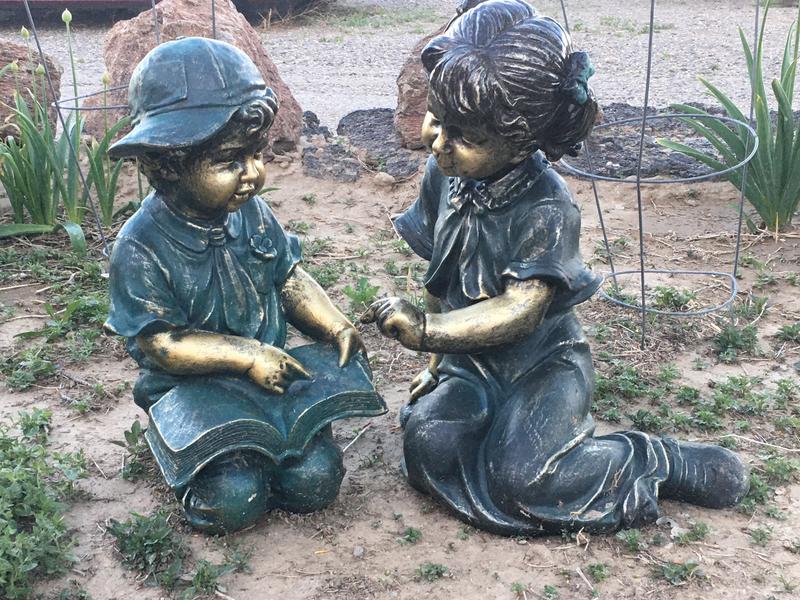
column 203, row 281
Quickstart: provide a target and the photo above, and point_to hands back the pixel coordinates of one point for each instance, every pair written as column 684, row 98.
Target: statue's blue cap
column 185, row 91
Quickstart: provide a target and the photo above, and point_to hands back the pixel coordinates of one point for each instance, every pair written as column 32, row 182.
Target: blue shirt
column 171, row 272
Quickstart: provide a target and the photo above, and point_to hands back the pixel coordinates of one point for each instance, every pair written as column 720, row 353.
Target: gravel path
column 348, row 57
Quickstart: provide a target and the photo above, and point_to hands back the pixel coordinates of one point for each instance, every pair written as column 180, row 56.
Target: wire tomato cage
column 751, row 147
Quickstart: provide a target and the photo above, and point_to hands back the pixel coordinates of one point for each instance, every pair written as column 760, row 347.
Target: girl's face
column 221, row 179
column 464, row 149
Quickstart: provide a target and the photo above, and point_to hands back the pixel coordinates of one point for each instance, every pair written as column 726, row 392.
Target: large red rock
column 128, row 42
column 10, row 83
column 412, row 96
column 412, row 89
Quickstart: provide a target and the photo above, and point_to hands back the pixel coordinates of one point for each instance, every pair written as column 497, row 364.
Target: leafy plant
column 32, row 174
column 35, row 425
column 34, row 483
column 697, row 533
column 677, row 573
column 150, row 546
column 411, row 535
column 432, row 571
column 551, row 592
column 773, row 175
column 666, row 297
column 632, row 538
column 27, row 172
column 362, row 295
column 732, row 341
column 103, row 173
column 599, row 572
column 205, row 580
column 761, row 535
column 789, row 333
column 135, row 443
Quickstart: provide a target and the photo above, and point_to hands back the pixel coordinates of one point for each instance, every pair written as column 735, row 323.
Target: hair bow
column 576, row 80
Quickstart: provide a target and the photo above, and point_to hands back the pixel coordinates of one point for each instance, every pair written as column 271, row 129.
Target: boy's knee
column 310, row 482
column 229, row 494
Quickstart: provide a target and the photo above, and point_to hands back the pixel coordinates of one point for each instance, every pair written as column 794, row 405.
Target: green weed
column 27, row 367
column 299, row 227
column 135, row 465
column 316, row 246
column 760, row 493
column 789, row 333
column 550, row 592
column 631, row 538
column 150, row 546
column 734, row 341
column 687, row 395
column 327, row 274
column 645, row 420
column 34, row 484
column 599, row 572
column 672, row 299
column 411, row 535
column 430, row 572
column 779, row 469
column 205, row 580
column 761, row 535
column 519, row 589
column 698, row 532
column 362, row 295
column 751, row 307
column 678, row 573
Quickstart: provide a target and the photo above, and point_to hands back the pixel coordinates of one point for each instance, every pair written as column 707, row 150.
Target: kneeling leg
column 310, row 482
column 229, row 493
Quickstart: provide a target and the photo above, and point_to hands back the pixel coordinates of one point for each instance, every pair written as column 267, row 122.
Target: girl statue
column 498, row 428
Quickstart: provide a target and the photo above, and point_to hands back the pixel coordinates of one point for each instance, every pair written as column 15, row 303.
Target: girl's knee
column 310, row 482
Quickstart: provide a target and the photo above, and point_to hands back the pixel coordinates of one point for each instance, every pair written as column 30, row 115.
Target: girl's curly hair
column 503, row 64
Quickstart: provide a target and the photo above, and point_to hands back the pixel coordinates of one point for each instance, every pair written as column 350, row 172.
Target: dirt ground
column 350, row 551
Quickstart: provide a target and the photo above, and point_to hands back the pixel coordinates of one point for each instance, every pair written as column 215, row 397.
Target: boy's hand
column 398, row 319
column 349, row 342
column 274, row 370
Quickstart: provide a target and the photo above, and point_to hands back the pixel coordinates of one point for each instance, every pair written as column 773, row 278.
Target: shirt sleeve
column 416, row 225
column 141, row 298
column 546, row 245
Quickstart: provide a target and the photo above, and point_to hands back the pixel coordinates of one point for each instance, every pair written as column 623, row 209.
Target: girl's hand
column 349, row 342
column 274, row 370
column 398, row 319
column 424, row 382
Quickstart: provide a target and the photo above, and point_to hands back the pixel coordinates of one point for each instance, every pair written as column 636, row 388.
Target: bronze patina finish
column 203, row 282
column 498, row 427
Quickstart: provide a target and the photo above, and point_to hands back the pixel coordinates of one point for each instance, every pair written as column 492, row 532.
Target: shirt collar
column 194, row 234
column 497, row 194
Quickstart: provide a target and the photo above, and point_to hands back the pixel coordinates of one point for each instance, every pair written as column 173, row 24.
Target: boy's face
column 464, row 149
column 221, row 179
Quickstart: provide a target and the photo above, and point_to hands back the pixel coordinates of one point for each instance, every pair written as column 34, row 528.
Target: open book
column 206, row 417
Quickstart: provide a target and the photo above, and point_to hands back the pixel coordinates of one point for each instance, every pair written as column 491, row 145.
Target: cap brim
column 176, row 129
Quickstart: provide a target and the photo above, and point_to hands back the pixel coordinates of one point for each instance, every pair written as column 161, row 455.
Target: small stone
column 384, row 180
column 358, row 551
column 283, row 165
